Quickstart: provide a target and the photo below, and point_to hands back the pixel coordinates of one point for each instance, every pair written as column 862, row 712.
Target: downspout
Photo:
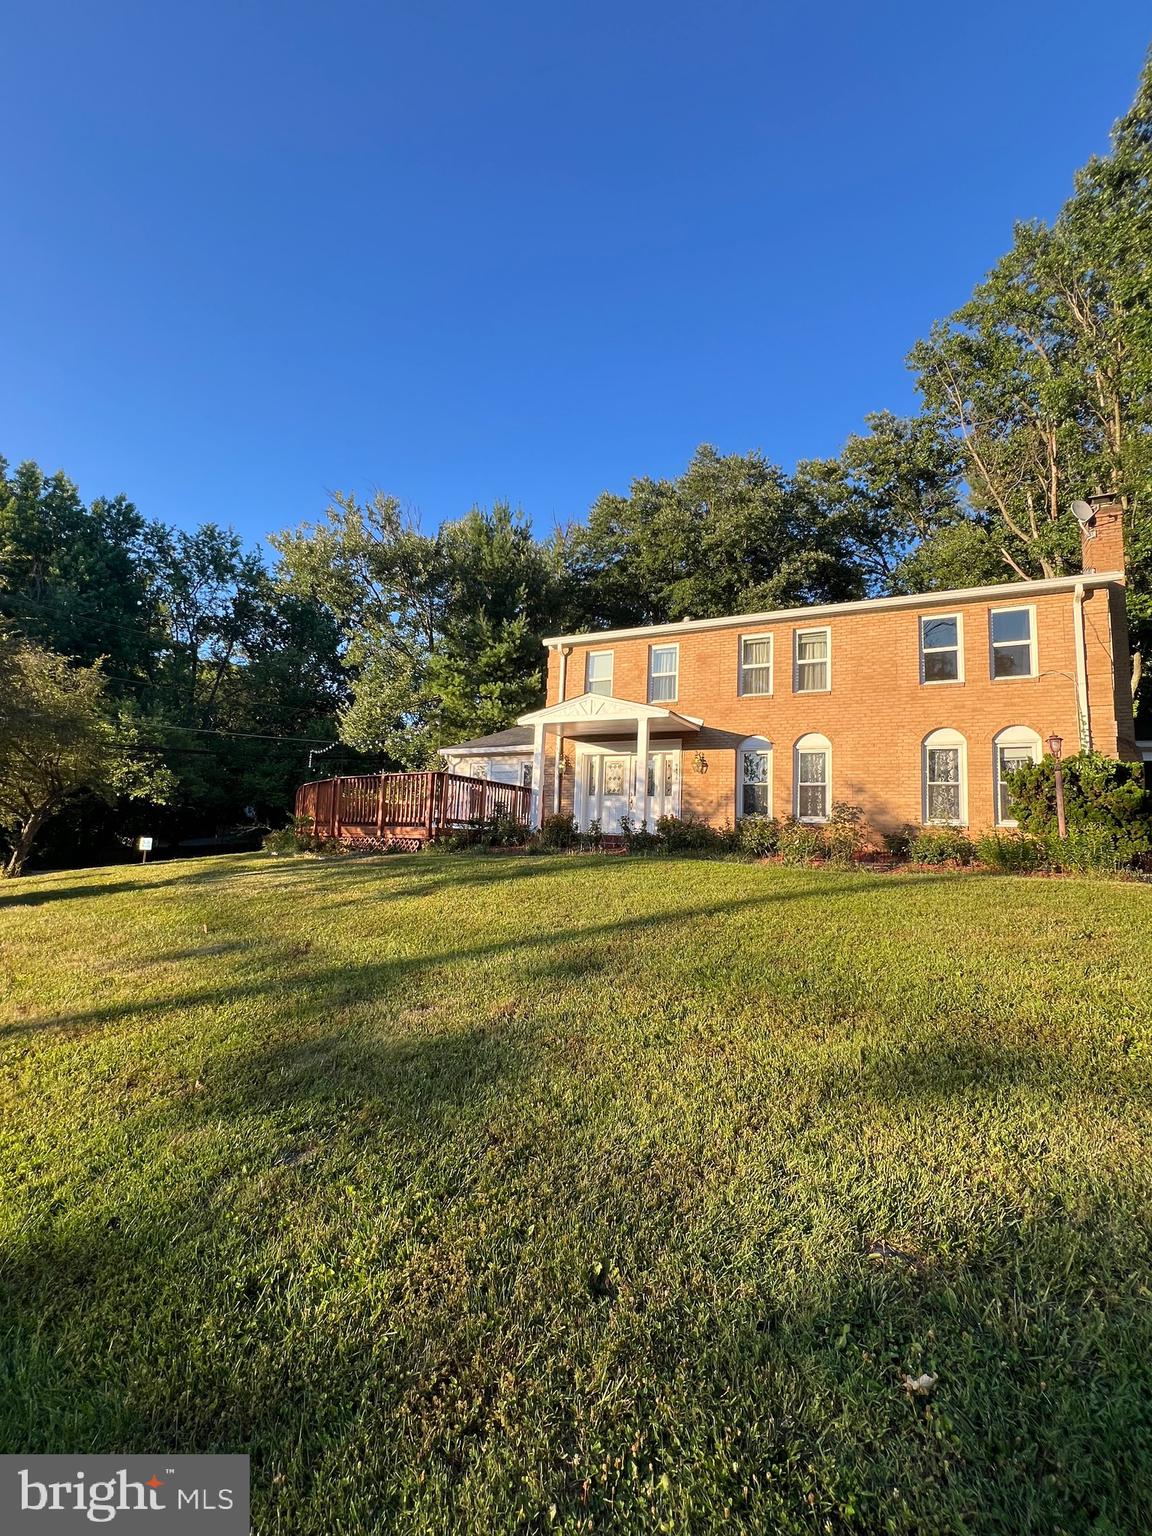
column 564, row 653
column 1084, row 720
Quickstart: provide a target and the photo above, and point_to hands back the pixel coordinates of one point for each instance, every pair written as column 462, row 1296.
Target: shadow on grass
column 283, row 967
column 208, row 1290
column 769, row 1396
column 346, row 871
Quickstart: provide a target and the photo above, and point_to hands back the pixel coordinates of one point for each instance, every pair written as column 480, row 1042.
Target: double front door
column 612, row 791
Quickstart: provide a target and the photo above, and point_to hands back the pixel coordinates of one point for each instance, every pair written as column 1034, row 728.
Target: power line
column 201, row 730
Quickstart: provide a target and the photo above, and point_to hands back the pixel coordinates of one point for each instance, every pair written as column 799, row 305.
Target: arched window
column 1011, row 748
column 812, row 777
column 945, row 774
column 754, row 777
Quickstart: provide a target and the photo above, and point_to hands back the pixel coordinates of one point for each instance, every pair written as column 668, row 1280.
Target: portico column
column 537, row 771
column 642, row 766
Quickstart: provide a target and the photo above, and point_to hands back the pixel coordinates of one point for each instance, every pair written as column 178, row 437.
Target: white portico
column 627, row 758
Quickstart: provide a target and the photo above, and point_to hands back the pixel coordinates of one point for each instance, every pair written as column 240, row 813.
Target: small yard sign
column 144, row 844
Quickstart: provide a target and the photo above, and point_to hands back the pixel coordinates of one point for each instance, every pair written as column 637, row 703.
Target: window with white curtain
column 663, row 673
column 813, row 778
column 812, row 668
column 945, row 770
column 755, row 665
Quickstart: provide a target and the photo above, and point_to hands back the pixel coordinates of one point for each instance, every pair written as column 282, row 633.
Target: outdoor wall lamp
column 700, row 763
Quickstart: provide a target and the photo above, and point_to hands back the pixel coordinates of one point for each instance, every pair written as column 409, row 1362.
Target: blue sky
column 253, row 252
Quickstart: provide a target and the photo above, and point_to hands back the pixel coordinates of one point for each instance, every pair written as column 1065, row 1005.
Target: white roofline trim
column 585, row 708
column 524, row 749
column 1003, row 592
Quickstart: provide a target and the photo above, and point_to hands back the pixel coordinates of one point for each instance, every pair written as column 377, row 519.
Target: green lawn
column 501, row 1194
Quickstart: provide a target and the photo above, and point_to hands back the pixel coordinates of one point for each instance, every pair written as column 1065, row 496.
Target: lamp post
column 1055, row 744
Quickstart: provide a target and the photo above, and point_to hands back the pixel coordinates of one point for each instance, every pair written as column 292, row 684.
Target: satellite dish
column 1082, row 512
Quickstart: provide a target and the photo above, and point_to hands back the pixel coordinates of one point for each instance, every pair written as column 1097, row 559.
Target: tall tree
column 1045, row 376
column 443, row 629
column 730, row 533
column 59, row 742
column 888, row 491
column 75, row 578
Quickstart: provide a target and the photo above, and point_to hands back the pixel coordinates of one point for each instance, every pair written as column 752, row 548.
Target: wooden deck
column 385, row 809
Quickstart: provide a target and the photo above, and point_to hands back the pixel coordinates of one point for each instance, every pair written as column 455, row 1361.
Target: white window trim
column 944, row 737
column 652, row 649
column 812, row 629
column 1030, row 610
column 943, row 682
column 812, row 742
column 753, row 693
column 755, row 744
column 1012, row 736
column 611, row 655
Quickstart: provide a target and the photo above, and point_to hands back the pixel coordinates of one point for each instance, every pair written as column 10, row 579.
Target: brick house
column 912, row 707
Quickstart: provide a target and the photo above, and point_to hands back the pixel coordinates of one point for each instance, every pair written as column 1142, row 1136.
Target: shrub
column 844, row 834
column 1013, row 853
column 1099, row 791
column 592, row 840
column 941, row 845
column 557, row 832
column 1099, row 848
column 758, row 835
column 799, row 842
column 684, row 834
column 299, row 836
column 497, row 831
column 638, row 839
column 899, row 842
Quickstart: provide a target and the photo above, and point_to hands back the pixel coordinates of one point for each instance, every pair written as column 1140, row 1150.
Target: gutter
column 1084, row 719
column 1006, row 592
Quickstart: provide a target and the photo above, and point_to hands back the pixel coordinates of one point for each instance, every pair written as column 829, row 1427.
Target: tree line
column 201, row 679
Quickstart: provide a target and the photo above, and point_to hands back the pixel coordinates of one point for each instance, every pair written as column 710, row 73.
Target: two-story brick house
column 913, row 708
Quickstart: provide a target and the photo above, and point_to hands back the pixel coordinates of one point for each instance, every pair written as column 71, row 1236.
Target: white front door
column 611, row 784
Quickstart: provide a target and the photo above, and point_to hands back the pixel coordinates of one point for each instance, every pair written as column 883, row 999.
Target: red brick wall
column 877, row 712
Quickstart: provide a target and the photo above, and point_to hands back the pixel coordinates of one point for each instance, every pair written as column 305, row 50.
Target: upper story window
column 813, row 778
column 941, row 649
column 663, row 673
column 812, row 663
column 1013, row 642
column 598, row 672
column 946, row 779
column 755, row 665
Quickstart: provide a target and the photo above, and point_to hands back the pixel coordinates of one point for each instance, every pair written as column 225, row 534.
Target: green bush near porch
column 633, row 1195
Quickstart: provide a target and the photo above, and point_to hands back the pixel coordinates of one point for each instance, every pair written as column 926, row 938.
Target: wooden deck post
column 336, row 807
column 430, row 807
column 380, row 807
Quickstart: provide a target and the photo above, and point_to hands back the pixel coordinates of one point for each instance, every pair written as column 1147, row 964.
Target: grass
column 503, row 1194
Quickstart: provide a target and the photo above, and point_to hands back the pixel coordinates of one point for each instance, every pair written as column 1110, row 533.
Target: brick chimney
column 1102, row 538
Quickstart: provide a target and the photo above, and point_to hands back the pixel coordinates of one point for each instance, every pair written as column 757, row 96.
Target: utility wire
column 201, row 730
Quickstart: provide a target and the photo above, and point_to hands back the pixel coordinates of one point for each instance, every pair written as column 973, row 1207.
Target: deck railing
column 416, row 804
